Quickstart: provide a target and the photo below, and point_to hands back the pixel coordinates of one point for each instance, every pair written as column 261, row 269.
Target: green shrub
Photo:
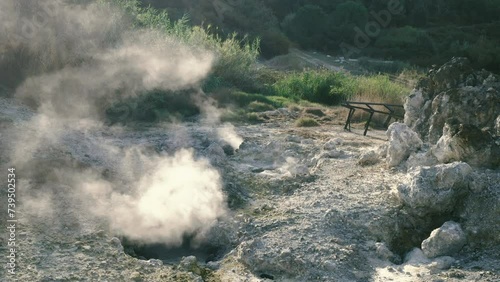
column 154, row 106
column 376, row 66
column 306, row 122
column 307, row 26
column 256, row 106
column 331, row 88
column 350, row 12
column 274, row 43
column 279, row 101
column 213, row 82
column 235, row 57
column 484, row 53
column 405, row 42
column 325, row 87
column 253, row 118
column 234, row 97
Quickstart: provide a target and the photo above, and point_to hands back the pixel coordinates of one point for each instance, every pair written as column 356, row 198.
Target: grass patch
column 254, row 118
column 331, row 88
column 379, row 88
column 235, row 97
column 320, row 86
column 241, row 116
column 306, row 122
column 256, row 106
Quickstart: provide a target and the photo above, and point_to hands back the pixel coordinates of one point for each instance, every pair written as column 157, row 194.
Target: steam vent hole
column 204, row 252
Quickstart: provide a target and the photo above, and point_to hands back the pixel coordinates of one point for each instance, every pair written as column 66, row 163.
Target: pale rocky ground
column 304, row 209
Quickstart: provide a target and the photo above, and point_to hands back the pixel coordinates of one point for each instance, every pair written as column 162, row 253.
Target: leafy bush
column 307, row 26
column 406, row 42
column 350, row 12
column 154, row 106
column 274, row 43
column 306, row 122
column 235, row 57
column 321, row 86
column 484, row 53
column 393, row 67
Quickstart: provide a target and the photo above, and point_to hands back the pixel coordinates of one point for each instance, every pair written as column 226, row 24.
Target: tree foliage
column 426, row 31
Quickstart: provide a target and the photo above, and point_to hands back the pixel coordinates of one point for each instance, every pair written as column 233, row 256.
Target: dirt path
column 315, row 61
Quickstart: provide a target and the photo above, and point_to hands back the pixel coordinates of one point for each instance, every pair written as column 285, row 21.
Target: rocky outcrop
column 457, row 109
column 466, row 142
column 435, row 190
column 402, row 142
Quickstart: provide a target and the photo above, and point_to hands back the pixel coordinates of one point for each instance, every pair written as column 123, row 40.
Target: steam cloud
column 81, row 56
column 180, row 195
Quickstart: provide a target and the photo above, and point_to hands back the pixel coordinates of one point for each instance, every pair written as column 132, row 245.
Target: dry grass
column 306, row 122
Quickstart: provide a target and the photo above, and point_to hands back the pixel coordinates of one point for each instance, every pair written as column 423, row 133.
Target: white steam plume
column 180, row 195
column 81, row 57
column 228, row 134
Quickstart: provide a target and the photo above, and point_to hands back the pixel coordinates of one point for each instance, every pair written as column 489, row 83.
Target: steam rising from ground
column 83, row 57
column 228, row 134
column 180, row 195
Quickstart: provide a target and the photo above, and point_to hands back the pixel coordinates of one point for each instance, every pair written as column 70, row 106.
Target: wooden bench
column 389, row 109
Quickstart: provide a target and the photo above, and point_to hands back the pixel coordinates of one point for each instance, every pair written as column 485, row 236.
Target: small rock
column 330, row 145
column 307, row 142
column 190, row 264
column 135, row 276
column 155, row 262
column 402, row 142
column 335, row 154
column 330, row 265
column 115, row 242
column 416, row 257
column 368, row 158
column 213, row 265
column 382, row 151
column 216, row 153
column 338, row 141
column 100, row 233
column 293, row 138
column 442, row 263
column 445, row 240
column 384, row 253
column 228, row 150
